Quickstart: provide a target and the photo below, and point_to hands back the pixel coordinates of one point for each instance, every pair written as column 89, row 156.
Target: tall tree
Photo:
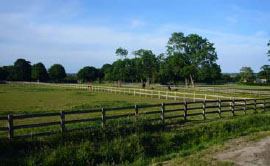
column 107, row 70
column 3, row 74
column 121, row 52
column 265, row 72
column 22, row 70
column 193, row 52
column 87, row 74
column 57, row 73
column 247, row 75
column 147, row 62
column 39, row 72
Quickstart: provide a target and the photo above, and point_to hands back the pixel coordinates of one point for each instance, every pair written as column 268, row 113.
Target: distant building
column 261, row 80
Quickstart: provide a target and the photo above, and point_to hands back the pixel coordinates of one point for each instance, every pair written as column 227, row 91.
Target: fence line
column 187, row 108
column 168, row 95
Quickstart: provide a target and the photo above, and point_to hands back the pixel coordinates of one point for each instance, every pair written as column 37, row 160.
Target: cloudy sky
column 78, row 33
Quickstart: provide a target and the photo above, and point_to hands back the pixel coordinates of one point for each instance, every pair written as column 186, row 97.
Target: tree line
column 187, row 59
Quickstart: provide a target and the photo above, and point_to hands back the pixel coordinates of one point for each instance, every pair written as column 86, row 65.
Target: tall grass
column 138, row 144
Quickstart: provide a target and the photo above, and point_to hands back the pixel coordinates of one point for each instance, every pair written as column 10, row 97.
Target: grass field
column 140, row 143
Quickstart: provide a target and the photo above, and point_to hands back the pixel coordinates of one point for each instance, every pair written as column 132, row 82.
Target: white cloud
column 76, row 45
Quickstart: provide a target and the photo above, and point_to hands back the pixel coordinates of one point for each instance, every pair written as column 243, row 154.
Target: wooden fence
column 168, row 95
column 180, row 110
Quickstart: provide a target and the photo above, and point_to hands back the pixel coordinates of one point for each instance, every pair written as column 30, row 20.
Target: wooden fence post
column 263, row 105
column 103, row 117
column 62, row 121
column 185, row 110
column 10, row 127
column 136, row 110
column 219, row 108
column 255, row 105
column 232, row 107
column 162, row 113
column 204, row 104
column 245, row 107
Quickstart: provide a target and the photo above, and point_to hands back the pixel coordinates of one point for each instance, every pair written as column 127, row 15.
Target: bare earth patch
column 248, row 154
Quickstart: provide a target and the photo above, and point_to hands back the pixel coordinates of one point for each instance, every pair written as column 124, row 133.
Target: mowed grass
column 23, row 99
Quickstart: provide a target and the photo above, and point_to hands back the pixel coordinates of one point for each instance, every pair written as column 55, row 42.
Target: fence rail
column 168, row 95
column 198, row 108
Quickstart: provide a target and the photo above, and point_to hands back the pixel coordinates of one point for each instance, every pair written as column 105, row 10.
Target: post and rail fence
column 168, row 95
column 184, row 110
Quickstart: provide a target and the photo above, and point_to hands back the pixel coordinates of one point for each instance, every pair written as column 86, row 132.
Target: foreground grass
column 139, row 144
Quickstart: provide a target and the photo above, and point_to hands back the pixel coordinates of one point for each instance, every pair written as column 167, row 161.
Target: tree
column 147, row 62
column 107, row 70
column 191, row 53
column 3, row 74
column 39, row 72
column 265, row 72
column 22, row 70
column 87, row 74
column 11, row 74
column 57, row 73
column 247, row 75
column 121, row 52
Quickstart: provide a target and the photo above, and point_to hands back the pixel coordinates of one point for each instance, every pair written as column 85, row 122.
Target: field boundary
column 187, row 108
column 168, row 95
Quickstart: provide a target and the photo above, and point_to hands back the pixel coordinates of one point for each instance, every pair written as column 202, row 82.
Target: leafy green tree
column 39, row 72
column 265, row 72
column 107, row 70
column 209, row 73
column 121, row 52
column 57, row 73
column 247, row 75
column 87, row 74
column 3, row 74
column 22, row 70
column 119, row 71
column 192, row 52
column 11, row 74
column 147, row 62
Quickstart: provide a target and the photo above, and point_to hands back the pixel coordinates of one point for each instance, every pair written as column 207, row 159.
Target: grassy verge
column 139, row 144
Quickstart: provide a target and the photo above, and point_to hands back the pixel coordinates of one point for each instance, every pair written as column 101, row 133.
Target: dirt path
column 248, row 154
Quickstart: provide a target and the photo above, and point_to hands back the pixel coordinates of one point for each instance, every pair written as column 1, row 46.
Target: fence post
column 185, row 110
column 174, row 96
column 219, row 108
column 162, row 113
column 263, row 105
column 159, row 94
column 232, row 107
column 255, row 105
column 62, row 121
column 10, row 127
column 204, row 110
column 245, row 107
column 103, row 117
column 136, row 110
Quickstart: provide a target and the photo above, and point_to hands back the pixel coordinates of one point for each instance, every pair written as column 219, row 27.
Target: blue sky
column 78, row 33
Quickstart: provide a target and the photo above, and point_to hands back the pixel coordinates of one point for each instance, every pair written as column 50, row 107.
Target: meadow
column 139, row 143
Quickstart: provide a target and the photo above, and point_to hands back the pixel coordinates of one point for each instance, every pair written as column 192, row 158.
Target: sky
column 78, row 33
